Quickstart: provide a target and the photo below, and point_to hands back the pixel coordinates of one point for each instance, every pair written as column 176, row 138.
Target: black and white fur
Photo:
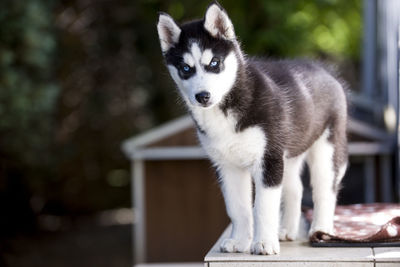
column 259, row 120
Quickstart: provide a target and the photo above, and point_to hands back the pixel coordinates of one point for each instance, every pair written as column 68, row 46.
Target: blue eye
column 186, row 68
column 214, row 63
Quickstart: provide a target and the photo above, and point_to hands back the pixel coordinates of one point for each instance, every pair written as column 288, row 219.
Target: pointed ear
column 168, row 32
column 217, row 22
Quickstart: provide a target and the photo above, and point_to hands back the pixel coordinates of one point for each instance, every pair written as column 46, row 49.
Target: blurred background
column 78, row 77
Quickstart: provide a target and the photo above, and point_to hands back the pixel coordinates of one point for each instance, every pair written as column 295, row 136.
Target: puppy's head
column 201, row 55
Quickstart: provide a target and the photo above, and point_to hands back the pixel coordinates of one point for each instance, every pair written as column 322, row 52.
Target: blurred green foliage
column 79, row 76
column 319, row 28
column 28, row 90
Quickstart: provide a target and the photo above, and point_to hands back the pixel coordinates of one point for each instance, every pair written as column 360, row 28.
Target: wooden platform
column 300, row 253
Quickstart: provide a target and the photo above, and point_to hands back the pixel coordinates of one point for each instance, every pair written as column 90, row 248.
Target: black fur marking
column 199, row 129
column 273, row 170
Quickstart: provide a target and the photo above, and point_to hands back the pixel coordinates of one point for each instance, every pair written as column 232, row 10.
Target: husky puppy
column 259, row 120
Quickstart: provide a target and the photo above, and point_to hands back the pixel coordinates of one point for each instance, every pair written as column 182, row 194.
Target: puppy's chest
column 225, row 145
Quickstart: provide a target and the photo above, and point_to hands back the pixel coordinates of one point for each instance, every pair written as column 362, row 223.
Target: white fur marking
column 223, row 144
column 206, row 57
column 188, row 59
column 196, row 52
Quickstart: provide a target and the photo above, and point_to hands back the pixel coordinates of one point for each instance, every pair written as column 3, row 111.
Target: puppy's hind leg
column 322, row 169
column 292, row 193
column 236, row 187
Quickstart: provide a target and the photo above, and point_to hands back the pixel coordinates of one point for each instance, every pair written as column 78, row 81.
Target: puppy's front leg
column 236, row 188
column 267, row 181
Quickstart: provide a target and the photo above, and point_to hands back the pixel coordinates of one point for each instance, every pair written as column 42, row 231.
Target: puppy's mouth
column 206, row 105
column 201, row 105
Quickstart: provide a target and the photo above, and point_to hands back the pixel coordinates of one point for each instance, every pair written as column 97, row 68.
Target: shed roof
column 137, row 143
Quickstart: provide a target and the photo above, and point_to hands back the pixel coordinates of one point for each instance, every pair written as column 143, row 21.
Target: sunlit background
column 78, row 77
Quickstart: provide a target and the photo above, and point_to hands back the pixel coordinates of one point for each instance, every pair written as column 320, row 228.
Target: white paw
column 287, row 235
column 269, row 247
column 232, row 245
column 326, row 230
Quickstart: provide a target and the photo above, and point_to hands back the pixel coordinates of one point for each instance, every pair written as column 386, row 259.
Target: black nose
column 203, row 97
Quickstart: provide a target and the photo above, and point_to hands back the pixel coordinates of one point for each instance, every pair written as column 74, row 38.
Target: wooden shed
column 178, row 207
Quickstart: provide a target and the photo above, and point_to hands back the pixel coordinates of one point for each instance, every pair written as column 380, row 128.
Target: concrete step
column 300, row 253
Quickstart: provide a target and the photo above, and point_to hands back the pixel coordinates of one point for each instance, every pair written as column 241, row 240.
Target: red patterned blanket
column 362, row 224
